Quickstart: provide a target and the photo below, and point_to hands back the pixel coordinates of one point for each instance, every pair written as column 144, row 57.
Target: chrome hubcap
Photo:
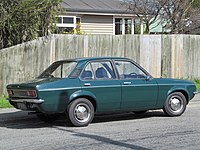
column 82, row 113
column 176, row 104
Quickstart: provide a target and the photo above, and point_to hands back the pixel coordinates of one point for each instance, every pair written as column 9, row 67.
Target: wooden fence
column 174, row 56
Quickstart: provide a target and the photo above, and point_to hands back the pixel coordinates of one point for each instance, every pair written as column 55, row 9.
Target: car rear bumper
column 33, row 101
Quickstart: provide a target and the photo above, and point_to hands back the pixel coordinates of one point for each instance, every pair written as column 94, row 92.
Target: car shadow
column 103, row 139
column 21, row 119
column 126, row 116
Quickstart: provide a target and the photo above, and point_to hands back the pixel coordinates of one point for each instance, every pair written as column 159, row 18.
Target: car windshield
column 59, row 70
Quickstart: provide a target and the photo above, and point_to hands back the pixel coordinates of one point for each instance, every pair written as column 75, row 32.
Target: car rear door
column 99, row 79
column 139, row 91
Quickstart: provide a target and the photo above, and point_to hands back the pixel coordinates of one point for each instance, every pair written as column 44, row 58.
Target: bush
column 24, row 20
column 197, row 83
column 4, row 103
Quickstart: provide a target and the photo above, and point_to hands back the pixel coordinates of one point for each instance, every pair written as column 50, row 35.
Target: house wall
column 92, row 24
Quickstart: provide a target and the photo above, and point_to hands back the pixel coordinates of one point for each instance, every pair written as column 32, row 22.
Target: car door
column 139, row 91
column 99, row 79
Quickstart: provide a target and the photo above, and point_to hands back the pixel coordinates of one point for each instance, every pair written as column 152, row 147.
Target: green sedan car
column 83, row 87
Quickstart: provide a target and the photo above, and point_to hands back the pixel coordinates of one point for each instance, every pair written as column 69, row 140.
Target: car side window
column 103, row 70
column 87, row 73
column 128, row 70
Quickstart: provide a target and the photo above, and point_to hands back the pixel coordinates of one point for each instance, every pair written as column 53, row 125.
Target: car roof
column 90, row 59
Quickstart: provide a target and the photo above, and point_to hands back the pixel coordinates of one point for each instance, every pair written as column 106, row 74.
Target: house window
column 126, row 26
column 137, row 26
column 123, row 25
column 68, row 20
column 118, row 26
column 68, row 23
column 78, row 23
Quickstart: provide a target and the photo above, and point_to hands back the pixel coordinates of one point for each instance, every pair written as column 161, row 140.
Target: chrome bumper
column 195, row 92
column 34, row 101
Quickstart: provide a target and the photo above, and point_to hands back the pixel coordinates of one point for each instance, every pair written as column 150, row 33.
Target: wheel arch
column 84, row 94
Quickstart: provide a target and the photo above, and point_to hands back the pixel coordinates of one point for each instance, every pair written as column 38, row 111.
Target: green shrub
column 4, row 103
column 197, row 83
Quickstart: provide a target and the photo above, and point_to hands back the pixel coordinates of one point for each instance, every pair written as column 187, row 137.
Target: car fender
column 178, row 88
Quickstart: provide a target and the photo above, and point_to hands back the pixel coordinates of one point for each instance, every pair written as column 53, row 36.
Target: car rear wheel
column 80, row 112
column 175, row 104
column 48, row 117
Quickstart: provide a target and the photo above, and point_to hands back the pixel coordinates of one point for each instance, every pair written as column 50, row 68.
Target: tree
column 176, row 14
column 196, row 4
column 194, row 27
column 24, row 20
column 148, row 11
column 173, row 15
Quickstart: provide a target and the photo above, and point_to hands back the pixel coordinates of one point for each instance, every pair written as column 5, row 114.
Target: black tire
column 49, row 118
column 140, row 112
column 80, row 112
column 175, row 104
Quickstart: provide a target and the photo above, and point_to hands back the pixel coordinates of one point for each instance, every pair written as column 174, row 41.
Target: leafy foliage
column 76, row 30
column 196, row 4
column 4, row 103
column 24, row 20
column 197, row 83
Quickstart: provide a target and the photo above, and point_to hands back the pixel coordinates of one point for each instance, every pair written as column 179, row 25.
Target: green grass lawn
column 4, row 103
column 197, row 83
column 198, row 87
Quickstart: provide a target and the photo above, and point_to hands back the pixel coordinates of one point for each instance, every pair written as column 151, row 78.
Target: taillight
column 31, row 93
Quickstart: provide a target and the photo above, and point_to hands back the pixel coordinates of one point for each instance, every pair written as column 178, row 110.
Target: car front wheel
column 80, row 112
column 175, row 104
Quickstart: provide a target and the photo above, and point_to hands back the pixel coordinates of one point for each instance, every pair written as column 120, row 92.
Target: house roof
column 95, row 6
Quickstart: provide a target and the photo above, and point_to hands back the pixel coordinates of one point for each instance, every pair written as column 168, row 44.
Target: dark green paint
column 109, row 95
column 140, row 94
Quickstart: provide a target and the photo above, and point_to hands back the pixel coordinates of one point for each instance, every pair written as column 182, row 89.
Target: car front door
column 99, row 79
column 138, row 91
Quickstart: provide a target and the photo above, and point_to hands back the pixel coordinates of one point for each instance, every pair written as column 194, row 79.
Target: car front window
column 59, row 70
column 128, row 70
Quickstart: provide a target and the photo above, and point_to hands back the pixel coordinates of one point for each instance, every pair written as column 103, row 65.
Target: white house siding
column 92, row 24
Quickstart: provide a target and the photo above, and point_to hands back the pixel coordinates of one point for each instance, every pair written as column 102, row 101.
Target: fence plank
column 162, row 55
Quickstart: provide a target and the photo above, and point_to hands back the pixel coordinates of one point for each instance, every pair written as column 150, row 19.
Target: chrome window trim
column 95, row 79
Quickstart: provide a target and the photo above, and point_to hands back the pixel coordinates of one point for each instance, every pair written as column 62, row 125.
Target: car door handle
column 127, row 83
column 87, row 84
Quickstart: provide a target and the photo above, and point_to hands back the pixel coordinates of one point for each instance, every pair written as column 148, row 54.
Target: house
column 98, row 17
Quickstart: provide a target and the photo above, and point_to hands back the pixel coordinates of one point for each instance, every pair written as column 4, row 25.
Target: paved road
column 125, row 131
